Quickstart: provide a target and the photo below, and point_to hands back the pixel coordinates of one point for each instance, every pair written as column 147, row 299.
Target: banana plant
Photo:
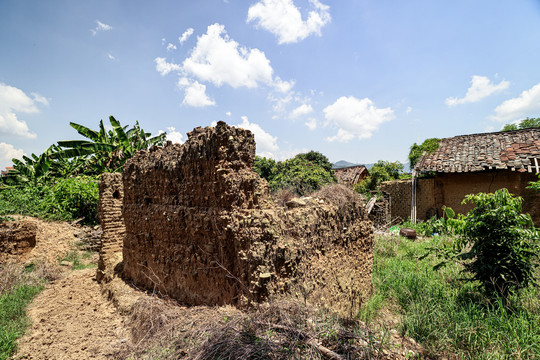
column 107, row 151
column 34, row 169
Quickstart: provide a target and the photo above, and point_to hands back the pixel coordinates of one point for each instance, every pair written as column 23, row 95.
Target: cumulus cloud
column 283, row 19
column 266, row 143
column 173, row 135
column 7, row 153
column 12, row 101
column 195, row 93
column 163, row 67
column 311, row 123
column 110, row 56
column 171, row 47
column 519, row 107
column 228, row 113
column 100, row 27
column 355, row 118
column 481, row 87
column 300, row 111
column 186, row 35
column 220, row 60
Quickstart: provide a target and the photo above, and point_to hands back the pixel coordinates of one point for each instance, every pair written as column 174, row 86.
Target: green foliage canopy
column 528, row 123
column 416, row 151
column 302, row 174
column 379, row 172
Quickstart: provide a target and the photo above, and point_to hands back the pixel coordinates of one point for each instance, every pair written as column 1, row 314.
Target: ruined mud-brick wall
column 401, row 197
column 111, row 196
column 16, row 238
column 201, row 228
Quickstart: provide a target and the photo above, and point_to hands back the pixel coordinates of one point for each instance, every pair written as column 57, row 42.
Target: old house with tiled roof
column 469, row 164
column 351, row 175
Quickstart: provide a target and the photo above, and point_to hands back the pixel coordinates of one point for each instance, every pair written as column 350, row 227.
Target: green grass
column 13, row 320
column 75, row 257
column 446, row 315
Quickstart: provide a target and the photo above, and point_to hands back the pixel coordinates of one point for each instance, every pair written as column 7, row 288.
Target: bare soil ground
column 71, row 320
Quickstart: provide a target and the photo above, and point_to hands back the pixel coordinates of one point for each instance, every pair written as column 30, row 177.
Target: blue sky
column 356, row 80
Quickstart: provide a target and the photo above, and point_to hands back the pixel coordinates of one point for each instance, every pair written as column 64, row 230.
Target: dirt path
column 72, row 320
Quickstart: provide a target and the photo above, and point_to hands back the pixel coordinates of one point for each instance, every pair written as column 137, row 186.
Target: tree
column 379, row 172
column 528, row 123
column 429, row 146
column 302, row 174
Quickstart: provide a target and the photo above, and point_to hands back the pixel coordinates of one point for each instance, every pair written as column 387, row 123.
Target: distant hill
column 342, row 164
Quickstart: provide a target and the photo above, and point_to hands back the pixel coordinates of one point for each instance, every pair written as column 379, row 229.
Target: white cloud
column 481, row 87
column 228, row 113
column 186, row 35
column 12, row 101
column 302, row 110
column 100, row 27
column 409, row 110
column 171, row 47
column 110, row 56
column 220, row 60
column 525, row 105
column 163, row 67
column 195, row 93
column 355, row 118
column 283, row 19
column 266, row 143
column 311, row 123
column 173, row 135
column 283, row 86
column 8, row 152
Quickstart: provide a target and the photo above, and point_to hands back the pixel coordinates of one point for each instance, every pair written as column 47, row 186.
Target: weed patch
column 447, row 315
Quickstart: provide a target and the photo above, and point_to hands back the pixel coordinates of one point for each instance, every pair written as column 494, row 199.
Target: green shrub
column 75, row 198
column 66, row 199
column 500, row 244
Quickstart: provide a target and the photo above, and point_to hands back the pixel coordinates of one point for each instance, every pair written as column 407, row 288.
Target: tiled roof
column 517, row 150
column 351, row 174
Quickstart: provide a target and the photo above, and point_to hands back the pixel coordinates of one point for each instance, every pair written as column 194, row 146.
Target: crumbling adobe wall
column 201, row 228
column 111, row 196
column 401, row 197
column 16, row 238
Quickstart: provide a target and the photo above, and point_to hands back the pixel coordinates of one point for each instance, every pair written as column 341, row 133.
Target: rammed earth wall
column 201, row 228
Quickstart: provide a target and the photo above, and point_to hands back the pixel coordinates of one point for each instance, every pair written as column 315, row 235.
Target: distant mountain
column 342, row 164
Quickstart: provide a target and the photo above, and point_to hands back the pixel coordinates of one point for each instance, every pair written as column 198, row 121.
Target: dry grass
column 283, row 195
column 338, row 194
column 279, row 330
column 14, row 274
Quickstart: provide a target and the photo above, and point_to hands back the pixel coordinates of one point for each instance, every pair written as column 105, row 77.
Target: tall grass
column 447, row 315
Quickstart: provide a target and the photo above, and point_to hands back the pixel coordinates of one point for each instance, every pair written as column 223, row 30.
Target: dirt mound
column 53, row 239
column 16, row 238
column 71, row 320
